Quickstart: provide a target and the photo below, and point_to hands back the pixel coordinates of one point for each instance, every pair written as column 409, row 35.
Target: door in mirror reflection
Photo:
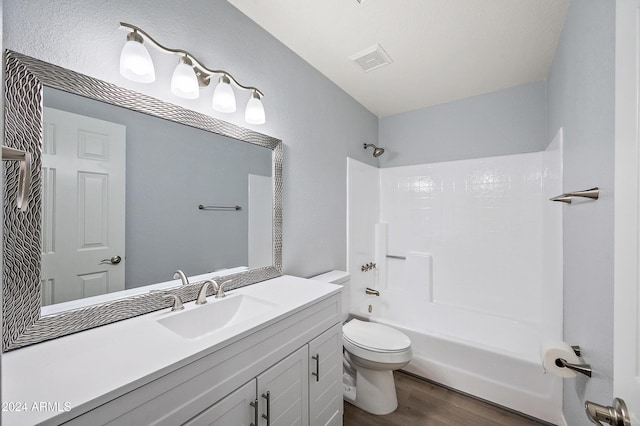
column 83, row 215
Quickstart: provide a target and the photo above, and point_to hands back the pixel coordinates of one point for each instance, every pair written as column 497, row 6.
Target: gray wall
column 171, row 169
column 319, row 124
column 509, row 121
column 581, row 100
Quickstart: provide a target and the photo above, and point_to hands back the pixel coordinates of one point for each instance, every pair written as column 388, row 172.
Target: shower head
column 377, row 152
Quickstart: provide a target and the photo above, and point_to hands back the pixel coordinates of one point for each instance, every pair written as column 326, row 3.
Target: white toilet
column 372, row 351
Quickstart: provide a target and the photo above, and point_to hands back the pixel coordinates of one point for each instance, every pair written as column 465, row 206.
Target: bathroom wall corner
column 581, row 99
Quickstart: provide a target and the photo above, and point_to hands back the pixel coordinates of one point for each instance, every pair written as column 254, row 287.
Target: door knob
column 113, row 261
column 617, row 415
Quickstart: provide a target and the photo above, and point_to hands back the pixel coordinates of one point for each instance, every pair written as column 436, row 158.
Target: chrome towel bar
column 202, row 207
column 592, row 193
column 24, row 173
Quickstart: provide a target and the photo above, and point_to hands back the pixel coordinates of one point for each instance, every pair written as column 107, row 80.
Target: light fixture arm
column 202, row 71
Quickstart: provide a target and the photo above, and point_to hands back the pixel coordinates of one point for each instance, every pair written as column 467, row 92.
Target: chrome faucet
column 220, row 293
column 179, row 274
column 202, row 295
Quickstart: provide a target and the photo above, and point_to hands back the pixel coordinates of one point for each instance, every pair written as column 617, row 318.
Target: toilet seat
column 376, row 342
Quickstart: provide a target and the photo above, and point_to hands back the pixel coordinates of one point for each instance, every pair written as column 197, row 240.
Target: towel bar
column 592, row 193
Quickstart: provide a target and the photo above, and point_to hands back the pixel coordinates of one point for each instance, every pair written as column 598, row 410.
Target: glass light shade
column 184, row 82
column 224, row 100
column 254, row 114
column 135, row 63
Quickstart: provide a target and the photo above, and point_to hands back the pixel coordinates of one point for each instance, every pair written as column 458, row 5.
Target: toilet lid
column 375, row 337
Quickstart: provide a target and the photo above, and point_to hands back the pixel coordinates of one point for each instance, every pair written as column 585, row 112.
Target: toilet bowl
column 371, row 352
column 374, row 351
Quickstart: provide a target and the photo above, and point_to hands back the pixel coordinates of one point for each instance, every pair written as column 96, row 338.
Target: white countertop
column 87, row 369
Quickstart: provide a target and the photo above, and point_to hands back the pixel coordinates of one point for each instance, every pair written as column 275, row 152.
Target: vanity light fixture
column 224, row 100
column 184, row 81
column 254, row 114
column 188, row 77
column 135, row 61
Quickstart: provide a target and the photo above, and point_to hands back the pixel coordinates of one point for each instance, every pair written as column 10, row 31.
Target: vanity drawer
column 180, row 395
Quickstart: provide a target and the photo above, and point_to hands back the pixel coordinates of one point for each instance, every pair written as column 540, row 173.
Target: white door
column 626, row 374
column 83, row 215
column 236, row 409
column 283, row 391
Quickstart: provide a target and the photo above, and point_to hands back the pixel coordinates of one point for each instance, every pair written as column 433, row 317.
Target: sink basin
column 199, row 320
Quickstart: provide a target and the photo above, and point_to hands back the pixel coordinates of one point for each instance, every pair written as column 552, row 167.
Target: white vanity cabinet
column 289, row 393
column 281, row 398
column 280, row 359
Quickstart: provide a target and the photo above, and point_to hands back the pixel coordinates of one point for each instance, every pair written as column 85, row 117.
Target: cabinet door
column 325, row 378
column 283, row 391
column 233, row 410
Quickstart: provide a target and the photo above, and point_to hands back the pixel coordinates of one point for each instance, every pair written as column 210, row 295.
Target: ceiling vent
column 371, row 58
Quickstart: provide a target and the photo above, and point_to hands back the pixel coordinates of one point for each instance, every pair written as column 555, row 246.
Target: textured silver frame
column 22, row 324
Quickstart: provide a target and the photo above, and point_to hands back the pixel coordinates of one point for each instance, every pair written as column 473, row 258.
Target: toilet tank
column 340, row 278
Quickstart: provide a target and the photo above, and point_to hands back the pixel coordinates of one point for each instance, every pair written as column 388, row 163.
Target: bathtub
column 489, row 357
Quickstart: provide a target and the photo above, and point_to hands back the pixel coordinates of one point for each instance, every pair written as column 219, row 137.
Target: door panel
column 234, row 410
column 325, row 389
column 288, row 389
column 83, row 217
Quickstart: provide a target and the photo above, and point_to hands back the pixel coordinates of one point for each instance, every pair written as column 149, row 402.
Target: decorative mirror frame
column 22, row 324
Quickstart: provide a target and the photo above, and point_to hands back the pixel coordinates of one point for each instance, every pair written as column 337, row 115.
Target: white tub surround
column 138, row 371
column 469, row 257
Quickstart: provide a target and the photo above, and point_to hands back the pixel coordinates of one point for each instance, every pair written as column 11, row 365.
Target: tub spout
column 372, row 291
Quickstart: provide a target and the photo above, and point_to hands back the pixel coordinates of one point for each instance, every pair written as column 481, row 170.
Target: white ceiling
column 442, row 50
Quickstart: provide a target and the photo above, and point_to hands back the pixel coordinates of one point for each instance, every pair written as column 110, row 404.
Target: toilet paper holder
column 579, row 368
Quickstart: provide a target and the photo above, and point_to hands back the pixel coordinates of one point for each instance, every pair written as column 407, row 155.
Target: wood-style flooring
column 423, row 403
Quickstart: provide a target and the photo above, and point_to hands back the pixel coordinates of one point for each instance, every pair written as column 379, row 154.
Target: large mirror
column 126, row 189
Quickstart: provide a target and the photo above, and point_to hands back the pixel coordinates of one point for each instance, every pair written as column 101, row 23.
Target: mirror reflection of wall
column 170, row 170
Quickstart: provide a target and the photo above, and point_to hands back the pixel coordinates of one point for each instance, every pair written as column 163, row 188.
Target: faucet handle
column 220, row 294
column 177, row 301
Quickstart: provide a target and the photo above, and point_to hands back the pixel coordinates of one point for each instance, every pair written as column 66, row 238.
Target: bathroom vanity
column 267, row 354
